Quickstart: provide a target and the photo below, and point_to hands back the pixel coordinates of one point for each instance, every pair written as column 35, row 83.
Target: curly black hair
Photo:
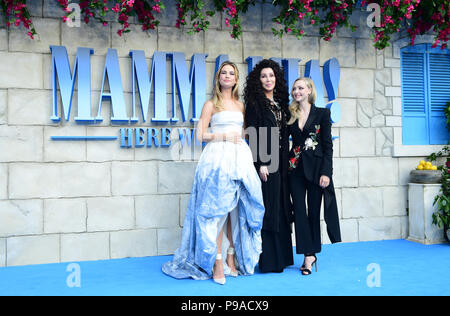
column 254, row 93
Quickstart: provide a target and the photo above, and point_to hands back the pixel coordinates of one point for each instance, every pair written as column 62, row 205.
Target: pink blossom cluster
column 417, row 16
column 308, row 9
column 86, row 8
column 143, row 9
column 145, row 16
column 123, row 9
column 231, row 6
column 232, row 10
column 180, row 20
column 16, row 13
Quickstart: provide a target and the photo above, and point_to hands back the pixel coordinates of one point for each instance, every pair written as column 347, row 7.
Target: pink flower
column 156, row 8
column 116, row 8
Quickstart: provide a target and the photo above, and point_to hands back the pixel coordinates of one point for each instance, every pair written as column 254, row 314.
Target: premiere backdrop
column 87, row 200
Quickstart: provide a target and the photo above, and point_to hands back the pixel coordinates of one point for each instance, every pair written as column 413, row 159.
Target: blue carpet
column 405, row 268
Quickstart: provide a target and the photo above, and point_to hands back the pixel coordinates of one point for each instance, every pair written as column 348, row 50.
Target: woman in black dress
column 266, row 99
column 310, row 172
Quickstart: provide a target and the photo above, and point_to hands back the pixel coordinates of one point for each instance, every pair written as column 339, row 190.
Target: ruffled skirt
column 225, row 183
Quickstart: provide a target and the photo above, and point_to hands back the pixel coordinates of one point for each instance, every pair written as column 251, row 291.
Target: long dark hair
column 254, row 93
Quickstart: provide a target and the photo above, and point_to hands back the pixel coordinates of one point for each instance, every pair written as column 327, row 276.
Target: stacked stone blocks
column 72, row 201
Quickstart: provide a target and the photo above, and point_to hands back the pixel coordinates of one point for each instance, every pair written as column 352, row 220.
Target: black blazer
column 319, row 161
column 267, row 119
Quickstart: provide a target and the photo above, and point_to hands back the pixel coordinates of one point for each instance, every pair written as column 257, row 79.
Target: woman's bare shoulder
column 241, row 106
column 208, row 107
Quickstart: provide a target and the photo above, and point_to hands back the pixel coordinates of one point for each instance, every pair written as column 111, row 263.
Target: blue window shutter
column 414, row 96
column 439, row 81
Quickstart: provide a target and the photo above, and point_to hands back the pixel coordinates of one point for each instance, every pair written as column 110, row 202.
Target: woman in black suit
column 266, row 98
column 310, row 172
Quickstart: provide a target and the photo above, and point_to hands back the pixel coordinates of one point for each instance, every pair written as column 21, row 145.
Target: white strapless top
column 227, row 121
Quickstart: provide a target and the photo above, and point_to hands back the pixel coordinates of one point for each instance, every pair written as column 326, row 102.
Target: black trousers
column 306, row 219
column 276, row 234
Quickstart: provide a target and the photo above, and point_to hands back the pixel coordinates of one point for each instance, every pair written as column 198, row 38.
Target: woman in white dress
column 222, row 229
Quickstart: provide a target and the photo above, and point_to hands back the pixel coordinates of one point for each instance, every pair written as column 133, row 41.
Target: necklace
column 274, row 103
column 276, row 111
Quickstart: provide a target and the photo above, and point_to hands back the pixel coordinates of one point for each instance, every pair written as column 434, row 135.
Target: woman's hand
column 234, row 137
column 263, row 173
column 324, row 182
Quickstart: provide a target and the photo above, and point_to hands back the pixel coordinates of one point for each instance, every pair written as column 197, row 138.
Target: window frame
column 401, row 149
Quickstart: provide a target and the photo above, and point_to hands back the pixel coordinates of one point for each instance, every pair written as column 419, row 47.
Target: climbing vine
column 416, row 16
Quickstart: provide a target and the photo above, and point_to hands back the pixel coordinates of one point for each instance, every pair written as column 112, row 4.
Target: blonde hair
column 294, row 107
column 217, row 92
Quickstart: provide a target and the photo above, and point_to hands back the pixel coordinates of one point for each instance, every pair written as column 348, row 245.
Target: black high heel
column 307, row 271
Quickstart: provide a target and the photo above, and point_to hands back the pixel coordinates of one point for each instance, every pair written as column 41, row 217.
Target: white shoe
column 220, row 281
column 231, row 252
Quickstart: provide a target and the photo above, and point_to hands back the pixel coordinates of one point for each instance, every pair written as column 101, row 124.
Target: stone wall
column 71, row 201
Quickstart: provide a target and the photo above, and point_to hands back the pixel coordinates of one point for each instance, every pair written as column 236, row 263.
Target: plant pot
column 425, row 176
